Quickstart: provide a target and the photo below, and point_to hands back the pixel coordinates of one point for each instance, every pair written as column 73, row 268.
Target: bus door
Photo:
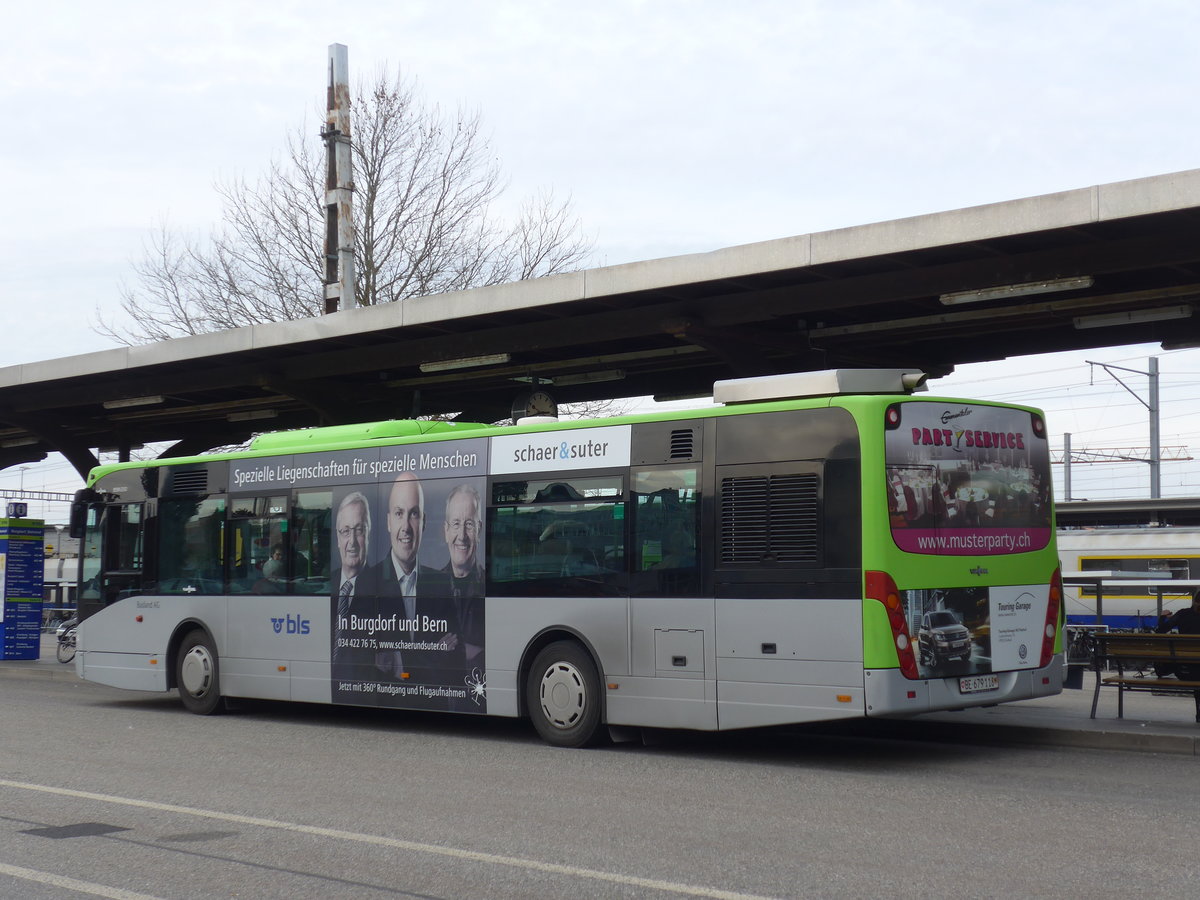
column 112, row 555
column 671, row 623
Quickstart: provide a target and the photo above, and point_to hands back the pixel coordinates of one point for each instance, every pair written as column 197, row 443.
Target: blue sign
column 22, row 557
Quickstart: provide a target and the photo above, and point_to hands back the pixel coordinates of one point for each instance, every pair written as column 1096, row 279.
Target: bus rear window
column 965, row 480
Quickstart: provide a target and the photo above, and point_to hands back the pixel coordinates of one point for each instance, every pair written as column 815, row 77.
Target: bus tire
column 198, row 674
column 562, row 695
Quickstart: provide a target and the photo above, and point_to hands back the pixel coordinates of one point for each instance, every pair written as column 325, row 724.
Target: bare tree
column 595, row 409
column 427, row 189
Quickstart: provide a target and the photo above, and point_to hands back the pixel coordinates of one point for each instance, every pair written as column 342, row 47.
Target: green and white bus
column 812, row 547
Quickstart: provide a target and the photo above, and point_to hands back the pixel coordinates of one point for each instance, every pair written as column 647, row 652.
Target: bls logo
column 294, row 625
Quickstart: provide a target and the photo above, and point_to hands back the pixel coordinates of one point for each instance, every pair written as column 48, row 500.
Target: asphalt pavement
column 1152, row 723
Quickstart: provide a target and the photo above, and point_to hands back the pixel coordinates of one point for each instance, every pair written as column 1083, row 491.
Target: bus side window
column 557, row 536
column 259, row 550
column 127, row 538
column 665, row 523
column 191, row 535
column 311, row 536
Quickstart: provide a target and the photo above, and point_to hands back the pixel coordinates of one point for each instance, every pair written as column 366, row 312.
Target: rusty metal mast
column 339, row 185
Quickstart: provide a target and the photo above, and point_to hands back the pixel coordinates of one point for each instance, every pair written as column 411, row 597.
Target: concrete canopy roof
column 867, row 296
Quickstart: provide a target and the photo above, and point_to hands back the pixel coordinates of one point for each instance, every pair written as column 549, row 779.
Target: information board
column 22, row 566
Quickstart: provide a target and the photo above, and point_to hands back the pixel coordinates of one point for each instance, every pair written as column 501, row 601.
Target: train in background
column 1138, row 552
column 1156, row 539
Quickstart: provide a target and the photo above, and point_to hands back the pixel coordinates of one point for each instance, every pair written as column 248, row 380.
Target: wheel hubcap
column 196, row 671
column 563, row 695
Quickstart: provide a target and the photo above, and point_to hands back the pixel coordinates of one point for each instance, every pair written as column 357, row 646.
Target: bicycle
column 66, row 639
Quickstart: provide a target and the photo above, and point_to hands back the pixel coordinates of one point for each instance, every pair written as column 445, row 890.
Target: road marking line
column 515, row 862
column 72, row 884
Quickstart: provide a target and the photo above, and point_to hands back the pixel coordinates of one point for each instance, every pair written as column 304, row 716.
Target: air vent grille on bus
column 193, row 482
column 766, row 518
column 683, row 444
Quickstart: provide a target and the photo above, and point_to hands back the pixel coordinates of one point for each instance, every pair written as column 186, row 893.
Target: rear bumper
column 889, row 693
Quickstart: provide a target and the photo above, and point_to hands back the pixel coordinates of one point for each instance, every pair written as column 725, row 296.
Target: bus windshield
column 967, row 480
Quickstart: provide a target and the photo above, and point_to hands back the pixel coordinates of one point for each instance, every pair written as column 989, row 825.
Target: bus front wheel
column 563, row 695
column 197, row 674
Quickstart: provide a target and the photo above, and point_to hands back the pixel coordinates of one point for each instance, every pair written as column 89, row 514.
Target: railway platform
column 1152, row 723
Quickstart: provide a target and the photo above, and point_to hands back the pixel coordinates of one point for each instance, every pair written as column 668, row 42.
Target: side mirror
column 84, row 498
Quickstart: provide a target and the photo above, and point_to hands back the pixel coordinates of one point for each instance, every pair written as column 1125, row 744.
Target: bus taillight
column 1052, row 614
column 881, row 587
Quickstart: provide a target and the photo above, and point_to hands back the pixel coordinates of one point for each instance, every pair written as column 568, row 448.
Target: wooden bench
column 1127, row 652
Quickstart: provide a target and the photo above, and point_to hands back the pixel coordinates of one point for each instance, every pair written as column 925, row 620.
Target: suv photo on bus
column 943, row 636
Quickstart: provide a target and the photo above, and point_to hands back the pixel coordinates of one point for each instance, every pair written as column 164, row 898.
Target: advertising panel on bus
column 407, row 581
column 975, row 630
column 967, row 480
column 970, row 480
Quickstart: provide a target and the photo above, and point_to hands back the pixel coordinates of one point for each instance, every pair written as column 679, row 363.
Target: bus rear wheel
column 562, row 695
column 198, row 674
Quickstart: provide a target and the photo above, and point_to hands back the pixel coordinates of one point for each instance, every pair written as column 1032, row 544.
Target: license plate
column 974, row 684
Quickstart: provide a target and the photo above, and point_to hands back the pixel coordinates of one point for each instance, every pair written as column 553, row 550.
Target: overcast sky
column 677, row 127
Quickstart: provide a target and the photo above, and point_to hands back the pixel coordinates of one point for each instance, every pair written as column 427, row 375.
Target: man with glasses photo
column 352, row 536
column 462, row 529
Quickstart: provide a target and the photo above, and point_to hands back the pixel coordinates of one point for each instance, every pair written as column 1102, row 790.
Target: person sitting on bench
column 1186, row 621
